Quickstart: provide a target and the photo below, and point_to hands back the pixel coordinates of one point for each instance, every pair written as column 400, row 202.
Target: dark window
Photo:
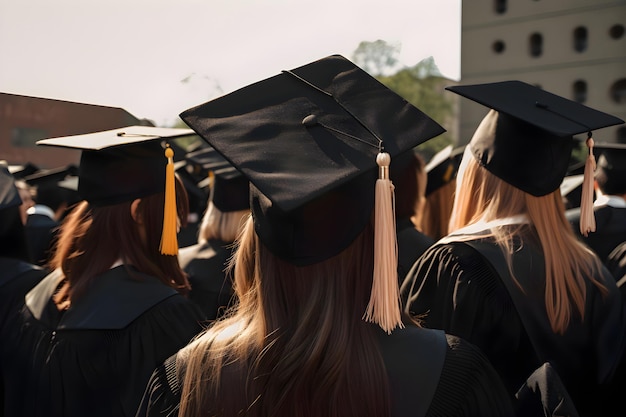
column 536, row 44
column 616, row 31
column 618, row 91
column 580, row 38
column 498, row 47
column 500, row 6
column 24, row 137
column 580, row 91
column 621, row 135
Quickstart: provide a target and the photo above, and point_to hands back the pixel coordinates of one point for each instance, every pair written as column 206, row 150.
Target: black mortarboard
column 124, row 164
column 21, row 171
column 51, row 177
column 9, row 195
column 230, row 191
column 310, row 141
column 121, row 164
column 441, row 169
column 526, row 138
column 300, row 134
column 611, row 167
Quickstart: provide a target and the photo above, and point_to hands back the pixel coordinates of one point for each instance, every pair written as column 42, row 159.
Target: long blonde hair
column 481, row 196
column 295, row 344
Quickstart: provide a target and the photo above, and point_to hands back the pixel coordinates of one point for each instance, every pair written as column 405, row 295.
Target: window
column 23, row 137
column 618, row 91
column 536, row 44
column 500, row 6
column 498, row 47
column 616, row 31
column 621, row 135
column 580, row 91
column 580, row 39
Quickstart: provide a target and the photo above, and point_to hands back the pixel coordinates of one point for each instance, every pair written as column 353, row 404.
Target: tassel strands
column 169, row 242
column 384, row 306
column 587, row 217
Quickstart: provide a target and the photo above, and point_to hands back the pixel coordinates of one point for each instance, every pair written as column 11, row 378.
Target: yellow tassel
column 169, row 241
column 384, row 306
column 587, row 217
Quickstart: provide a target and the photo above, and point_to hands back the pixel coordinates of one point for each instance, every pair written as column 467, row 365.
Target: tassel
column 587, row 217
column 384, row 307
column 169, row 242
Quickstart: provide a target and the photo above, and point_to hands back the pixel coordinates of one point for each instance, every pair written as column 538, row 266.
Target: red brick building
column 24, row 120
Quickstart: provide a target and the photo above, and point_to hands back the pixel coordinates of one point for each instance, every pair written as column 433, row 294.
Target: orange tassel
column 169, row 240
column 384, row 306
column 587, row 217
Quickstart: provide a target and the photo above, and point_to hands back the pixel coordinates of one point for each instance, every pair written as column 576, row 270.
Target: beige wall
column 559, row 66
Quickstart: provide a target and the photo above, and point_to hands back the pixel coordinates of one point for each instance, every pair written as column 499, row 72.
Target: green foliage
column 376, row 58
column 423, row 86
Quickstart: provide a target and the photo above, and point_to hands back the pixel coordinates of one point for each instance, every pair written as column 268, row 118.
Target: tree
column 376, row 58
column 423, row 86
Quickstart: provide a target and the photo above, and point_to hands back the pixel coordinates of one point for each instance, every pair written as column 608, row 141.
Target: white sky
column 134, row 54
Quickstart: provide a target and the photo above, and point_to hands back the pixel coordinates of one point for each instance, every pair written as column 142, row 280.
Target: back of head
column 118, row 168
column 308, row 141
column 611, row 168
column 12, row 237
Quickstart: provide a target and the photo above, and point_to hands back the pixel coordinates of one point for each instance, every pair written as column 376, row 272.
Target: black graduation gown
column 205, row 266
column 40, row 231
column 411, row 244
column 430, row 374
column 616, row 263
column 95, row 358
column 610, row 229
column 462, row 293
column 16, row 279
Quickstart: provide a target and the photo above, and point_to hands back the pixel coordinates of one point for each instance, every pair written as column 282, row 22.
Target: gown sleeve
column 162, row 395
column 469, row 386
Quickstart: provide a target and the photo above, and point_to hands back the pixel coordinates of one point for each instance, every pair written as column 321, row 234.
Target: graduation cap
column 441, row 169
column 230, row 190
column 9, row 195
column 125, row 164
column 526, row 140
column 308, row 140
column 611, row 168
column 21, row 171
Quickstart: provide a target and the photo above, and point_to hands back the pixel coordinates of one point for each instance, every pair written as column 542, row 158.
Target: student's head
column 228, row 200
column 301, row 136
column 611, row 169
column 133, row 205
column 526, row 138
column 12, row 237
column 308, row 140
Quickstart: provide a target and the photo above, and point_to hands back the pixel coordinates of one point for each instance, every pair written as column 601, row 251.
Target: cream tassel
column 587, row 217
column 384, row 307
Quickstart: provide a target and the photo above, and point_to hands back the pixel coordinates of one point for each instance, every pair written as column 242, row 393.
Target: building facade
column 24, row 120
column 573, row 48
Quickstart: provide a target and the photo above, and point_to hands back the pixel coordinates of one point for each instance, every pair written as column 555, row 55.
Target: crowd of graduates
column 302, row 258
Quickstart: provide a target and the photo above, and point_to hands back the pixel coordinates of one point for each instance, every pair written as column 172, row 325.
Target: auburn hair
column 92, row 239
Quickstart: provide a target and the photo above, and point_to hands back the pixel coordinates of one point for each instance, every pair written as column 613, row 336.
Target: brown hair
column 437, row 211
column 295, row 345
column 93, row 238
column 481, row 196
